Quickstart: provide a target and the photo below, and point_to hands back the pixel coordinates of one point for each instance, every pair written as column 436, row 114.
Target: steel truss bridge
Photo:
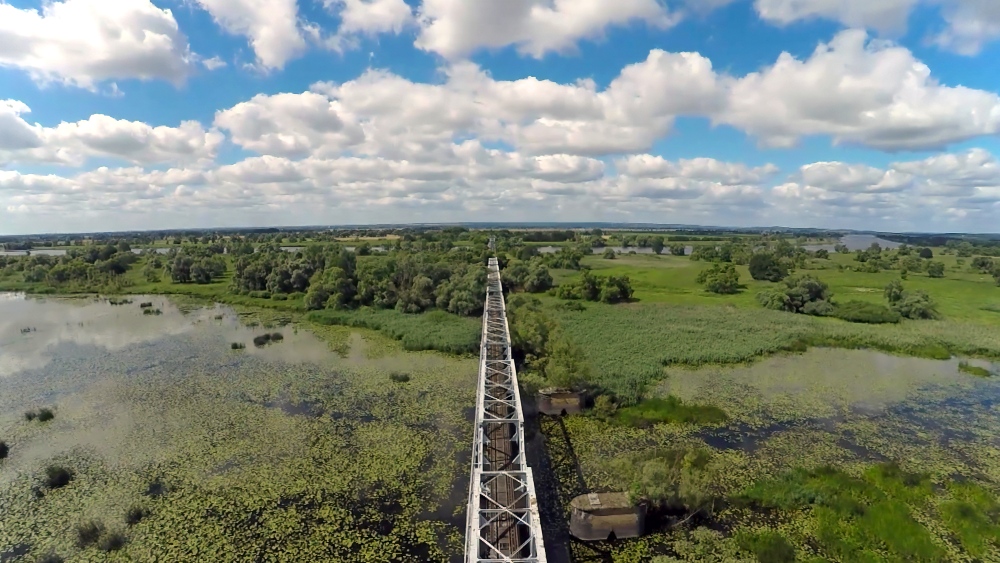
column 502, row 523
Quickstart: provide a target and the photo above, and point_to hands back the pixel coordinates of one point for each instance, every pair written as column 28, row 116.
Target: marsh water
column 302, row 449
column 831, row 404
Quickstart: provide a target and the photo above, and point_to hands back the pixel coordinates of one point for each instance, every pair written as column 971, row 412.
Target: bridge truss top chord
column 502, row 524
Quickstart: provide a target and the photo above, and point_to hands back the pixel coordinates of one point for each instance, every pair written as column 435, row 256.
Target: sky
column 156, row 114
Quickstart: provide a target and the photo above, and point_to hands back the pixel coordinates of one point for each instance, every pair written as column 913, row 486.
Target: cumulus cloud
column 272, row 27
column 970, row 25
column 884, row 15
column 858, row 91
column 457, row 28
column 83, row 42
column 372, row 16
column 102, row 136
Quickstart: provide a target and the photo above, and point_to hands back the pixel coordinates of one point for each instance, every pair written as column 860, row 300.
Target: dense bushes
column 912, row 305
column 531, row 276
column 720, row 278
column 765, row 267
column 611, row 289
column 677, row 479
column 541, row 347
column 434, row 330
column 864, row 312
column 802, row 294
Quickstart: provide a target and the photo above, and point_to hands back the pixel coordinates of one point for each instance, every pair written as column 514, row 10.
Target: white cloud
column 706, row 169
column 457, row 28
column 883, row 15
column 102, row 136
column 853, row 178
column 84, row 42
column 15, row 132
column 290, row 125
column 970, row 25
column 858, row 91
column 213, row 63
column 372, row 16
column 272, row 27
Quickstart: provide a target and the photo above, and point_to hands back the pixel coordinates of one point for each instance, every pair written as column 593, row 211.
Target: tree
column 657, row 244
column 841, row 249
column 996, row 275
column 609, row 254
column 916, row 305
column 822, row 254
column 720, row 278
column 674, row 479
column 935, row 269
column 894, row 292
column 764, row 266
column 983, row 263
column 802, row 294
column 926, row 253
column 678, row 249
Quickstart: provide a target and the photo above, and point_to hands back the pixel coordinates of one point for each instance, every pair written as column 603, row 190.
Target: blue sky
column 870, row 114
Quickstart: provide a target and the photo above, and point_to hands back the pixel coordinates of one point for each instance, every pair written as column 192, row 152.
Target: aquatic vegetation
column 119, row 301
column 970, row 369
column 4, row 449
column 145, row 305
column 277, row 337
column 45, row 415
column 854, row 518
column 433, row 330
column 135, row 514
column 111, row 541
column 50, row 558
column 767, row 546
column 57, row 476
column 237, row 346
column 262, row 340
column 973, row 515
column 399, row 377
column 153, row 312
column 670, row 410
column 375, row 471
column 627, row 346
column 30, row 415
column 89, row 532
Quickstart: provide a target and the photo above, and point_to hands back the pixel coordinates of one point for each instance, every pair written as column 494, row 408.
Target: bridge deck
column 503, row 524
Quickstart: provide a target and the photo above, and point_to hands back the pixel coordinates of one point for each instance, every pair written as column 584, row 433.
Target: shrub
column 863, row 312
column 4, row 450
column 605, row 407
column 135, row 515
column 970, row 369
column 916, row 305
column 720, row 278
column 237, row 345
column 45, row 415
column 609, row 254
column 262, row 340
column 50, row 558
column 935, row 269
column 277, row 337
column 671, row 410
column 764, row 266
column 145, row 305
column 768, row 547
column 112, row 541
column 399, row 377
column 30, row 415
column 279, row 297
column 57, row 476
column 152, row 312
column 87, row 533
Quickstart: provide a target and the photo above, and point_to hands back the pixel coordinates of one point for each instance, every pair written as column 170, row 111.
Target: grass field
column 961, row 295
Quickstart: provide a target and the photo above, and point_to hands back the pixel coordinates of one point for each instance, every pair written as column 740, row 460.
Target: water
column 873, row 405
column 158, row 410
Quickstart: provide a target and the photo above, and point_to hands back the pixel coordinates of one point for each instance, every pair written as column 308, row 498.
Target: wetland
column 301, row 450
